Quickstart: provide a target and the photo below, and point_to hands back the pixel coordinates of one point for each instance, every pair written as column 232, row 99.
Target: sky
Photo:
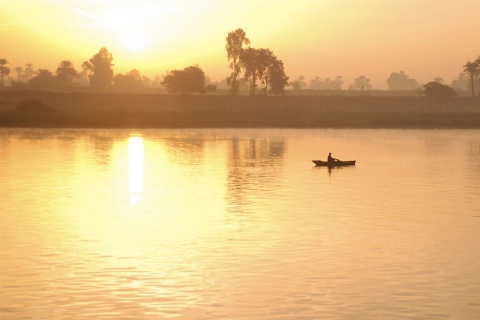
column 325, row 38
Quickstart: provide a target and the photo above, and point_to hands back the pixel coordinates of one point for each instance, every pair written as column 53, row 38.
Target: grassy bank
column 110, row 110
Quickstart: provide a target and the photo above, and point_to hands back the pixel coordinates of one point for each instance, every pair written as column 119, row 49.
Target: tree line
column 397, row 81
column 97, row 71
column 259, row 71
column 248, row 64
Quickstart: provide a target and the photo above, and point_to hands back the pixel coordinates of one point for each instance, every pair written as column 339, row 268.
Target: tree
column 124, row 82
column 19, row 71
column 299, row 83
column 265, row 61
column 65, row 73
column 147, row 82
column 401, row 81
column 439, row 80
column 360, row 83
column 210, row 88
column 438, row 90
column 262, row 65
column 461, row 83
column 132, row 81
column 316, row 83
column 472, row 68
column 328, row 84
column 277, row 78
column 28, row 71
column 256, row 64
column 100, row 66
column 188, row 80
column 235, row 42
column 43, row 80
column 477, row 61
column 4, row 70
column 336, row 84
column 250, row 63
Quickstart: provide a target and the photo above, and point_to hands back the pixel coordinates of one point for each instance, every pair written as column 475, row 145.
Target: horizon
column 345, row 38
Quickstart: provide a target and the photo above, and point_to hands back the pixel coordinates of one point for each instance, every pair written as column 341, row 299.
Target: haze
column 426, row 39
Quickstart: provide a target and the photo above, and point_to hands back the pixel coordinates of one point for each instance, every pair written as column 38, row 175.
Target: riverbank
column 115, row 110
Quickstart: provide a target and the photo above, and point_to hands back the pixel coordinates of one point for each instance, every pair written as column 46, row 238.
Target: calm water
column 239, row 224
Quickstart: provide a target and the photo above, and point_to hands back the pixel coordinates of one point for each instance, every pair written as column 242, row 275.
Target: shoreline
column 142, row 111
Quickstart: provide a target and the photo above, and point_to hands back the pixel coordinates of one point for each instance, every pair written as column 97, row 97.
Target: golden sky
column 325, row 38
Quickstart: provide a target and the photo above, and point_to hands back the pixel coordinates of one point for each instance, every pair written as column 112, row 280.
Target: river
column 239, row 224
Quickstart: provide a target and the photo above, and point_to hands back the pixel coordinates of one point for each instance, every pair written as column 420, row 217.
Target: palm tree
column 28, row 71
column 18, row 70
column 472, row 68
column 477, row 61
column 3, row 69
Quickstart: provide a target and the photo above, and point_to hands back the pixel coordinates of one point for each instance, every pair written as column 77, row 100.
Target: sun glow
column 135, row 168
column 154, row 36
column 135, row 40
column 129, row 26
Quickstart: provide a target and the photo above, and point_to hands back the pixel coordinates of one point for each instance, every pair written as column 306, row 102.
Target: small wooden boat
column 339, row 163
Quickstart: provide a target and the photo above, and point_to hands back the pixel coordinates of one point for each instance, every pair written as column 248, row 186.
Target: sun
column 129, row 25
column 134, row 40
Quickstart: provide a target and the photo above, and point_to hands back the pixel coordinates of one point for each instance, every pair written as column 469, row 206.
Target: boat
column 338, row 163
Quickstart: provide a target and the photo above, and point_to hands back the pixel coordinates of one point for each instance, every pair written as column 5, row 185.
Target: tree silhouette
column 235, row 42
column 360, row 83
column 277, row 78
column 316, row 83
column 65, row 73
column 249, row 61
column 271, row 72
column 299, row 83
column 100, row 66
column 44, row 80
column 28, row 71
column 4, row 70
column 19, row 71
column 263, row 65
column 401, row 81
column 188, row 80
column 439, row 80
column 461, row 82
column 328, row 84
column 438, row 90
column 129, row 82
column 472, row 68
column 337, row 84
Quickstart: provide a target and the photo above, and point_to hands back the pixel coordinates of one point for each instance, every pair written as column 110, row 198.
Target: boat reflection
column 331, row 169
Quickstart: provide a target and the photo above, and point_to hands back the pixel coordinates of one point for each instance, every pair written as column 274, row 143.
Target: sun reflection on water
column 135, row 168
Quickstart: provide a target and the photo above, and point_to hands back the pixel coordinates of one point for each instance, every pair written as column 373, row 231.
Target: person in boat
column 330, row 158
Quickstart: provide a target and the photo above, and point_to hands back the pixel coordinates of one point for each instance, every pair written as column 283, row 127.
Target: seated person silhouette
column 331, row 159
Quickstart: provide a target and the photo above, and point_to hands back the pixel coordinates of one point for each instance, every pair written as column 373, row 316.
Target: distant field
column 115, row 110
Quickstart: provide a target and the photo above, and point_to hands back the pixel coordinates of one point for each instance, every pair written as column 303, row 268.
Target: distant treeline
column 254, row 71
